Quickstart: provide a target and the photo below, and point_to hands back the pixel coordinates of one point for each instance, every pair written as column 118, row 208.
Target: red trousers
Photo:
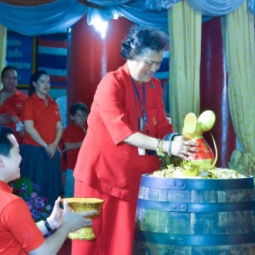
column 114, row 228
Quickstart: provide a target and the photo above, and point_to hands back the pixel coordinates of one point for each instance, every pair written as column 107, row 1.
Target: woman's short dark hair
column 140, row 38
column 78, row 106
column 34, row 78
column 5, row 143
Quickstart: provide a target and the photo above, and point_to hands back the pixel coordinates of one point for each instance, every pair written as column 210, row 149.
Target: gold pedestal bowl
column 83, row 205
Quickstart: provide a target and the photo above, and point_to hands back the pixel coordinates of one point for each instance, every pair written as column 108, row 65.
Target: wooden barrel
column 195, row 217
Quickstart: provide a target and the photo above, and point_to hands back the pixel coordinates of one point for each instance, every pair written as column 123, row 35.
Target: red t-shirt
column 45, row 118
column 18, row 231
column 73, row 134
column 14, row 105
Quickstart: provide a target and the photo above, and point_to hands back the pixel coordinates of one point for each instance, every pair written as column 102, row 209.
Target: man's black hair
column 7, row 68
column 5, row 143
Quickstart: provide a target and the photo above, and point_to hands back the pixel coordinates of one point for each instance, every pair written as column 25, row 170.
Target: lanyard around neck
column 142, row 103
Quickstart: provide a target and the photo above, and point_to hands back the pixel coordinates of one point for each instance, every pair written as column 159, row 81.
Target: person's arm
column 179, row 146
column 68, row 139
column 3, row 97
column 59, row 131
column 72, row 146
column 71, row 222
column 53, row 146
column 19, row 125
column 29, row 127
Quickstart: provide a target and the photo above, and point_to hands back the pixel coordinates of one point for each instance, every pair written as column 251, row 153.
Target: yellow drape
column 184, row 25
column 239, row 43
column 3, row 35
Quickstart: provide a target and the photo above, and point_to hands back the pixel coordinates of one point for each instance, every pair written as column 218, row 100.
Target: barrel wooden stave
column 189, row 223
column 149, row 249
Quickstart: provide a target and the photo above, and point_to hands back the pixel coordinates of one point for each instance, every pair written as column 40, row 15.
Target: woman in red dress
column 125, row 128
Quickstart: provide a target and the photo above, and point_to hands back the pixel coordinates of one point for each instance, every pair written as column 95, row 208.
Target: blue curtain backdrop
column 59, row 15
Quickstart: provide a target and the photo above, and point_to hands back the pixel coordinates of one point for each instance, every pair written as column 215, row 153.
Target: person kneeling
column 19, row 234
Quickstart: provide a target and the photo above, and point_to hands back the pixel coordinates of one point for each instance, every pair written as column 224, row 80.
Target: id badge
column 141, row 124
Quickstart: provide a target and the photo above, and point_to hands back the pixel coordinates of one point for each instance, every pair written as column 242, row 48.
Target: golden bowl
column 83, row 204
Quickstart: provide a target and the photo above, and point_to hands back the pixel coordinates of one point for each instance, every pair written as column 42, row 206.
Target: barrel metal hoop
column 196, row 184
column 175, row 184
column 195, row 207
column 194, row 240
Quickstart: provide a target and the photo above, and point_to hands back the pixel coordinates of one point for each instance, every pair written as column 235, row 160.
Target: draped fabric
column 46, row 19
column 53, row 16
column 251, row 5
column 185, row 51
column 136, row 12
column 3, row 35
column 239, row 41
column 159, row 5
column 215, row 7
column 104, row 2
column 27, row 2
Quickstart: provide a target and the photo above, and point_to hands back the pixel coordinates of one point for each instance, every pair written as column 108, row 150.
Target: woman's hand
column 51, row 149
column 56, row 217
column 183, row 148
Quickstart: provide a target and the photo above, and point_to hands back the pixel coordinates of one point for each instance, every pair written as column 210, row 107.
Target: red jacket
column 104, row 162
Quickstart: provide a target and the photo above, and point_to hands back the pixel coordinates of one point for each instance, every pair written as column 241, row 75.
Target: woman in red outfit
column 43, row 130
column 126, row 126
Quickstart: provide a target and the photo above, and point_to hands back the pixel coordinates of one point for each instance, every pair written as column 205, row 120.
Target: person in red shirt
column 19, row 234
column 72, row 138
column 43, row 130
column 11, row 102
column 126, row 126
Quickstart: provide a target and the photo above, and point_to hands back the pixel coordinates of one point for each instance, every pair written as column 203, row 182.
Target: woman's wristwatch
column 47, row 225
